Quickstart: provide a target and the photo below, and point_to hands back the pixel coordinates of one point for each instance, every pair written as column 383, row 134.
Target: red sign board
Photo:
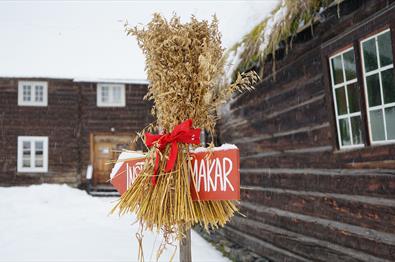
column 126, row 170
column 215, row 174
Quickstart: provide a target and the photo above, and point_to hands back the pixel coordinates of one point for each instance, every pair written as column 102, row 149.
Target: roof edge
column 83, row 79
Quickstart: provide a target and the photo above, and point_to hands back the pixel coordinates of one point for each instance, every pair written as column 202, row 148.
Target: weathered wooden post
column 185, row 247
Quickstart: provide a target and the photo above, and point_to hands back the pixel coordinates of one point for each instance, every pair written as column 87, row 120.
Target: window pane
column 341, row 101
column 390, row 121
column 337, row 69
column 27, row 93
column 39, row 161
column 39, row 93
column 369, row 55
column 356, row 128
column 39, row 154
column 353, row 97
column 388, row 83
column 39, row 147
column 385, row 49
column 344, row 132
column 349, row 64
column 377, row 125
column 116, row 92
column 26, row 146
column 105, row 94
column 26, row 153
column 374, row 93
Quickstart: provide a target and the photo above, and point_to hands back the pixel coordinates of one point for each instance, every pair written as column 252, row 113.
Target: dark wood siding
column 304, row 199
column 68, row 120
column 58, row 121
column 126, row 120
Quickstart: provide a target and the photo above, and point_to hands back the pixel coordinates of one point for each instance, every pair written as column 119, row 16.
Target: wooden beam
column 185, row 247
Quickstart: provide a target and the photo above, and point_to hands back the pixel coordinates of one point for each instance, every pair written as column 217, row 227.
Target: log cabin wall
column 304, row 198
column 127, row 120
column 58, row 121
column 68, row 120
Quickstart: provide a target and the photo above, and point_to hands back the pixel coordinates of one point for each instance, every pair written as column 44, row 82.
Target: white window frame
column 33, row 85
column 111, row 102
column 348, row 115
column 365, row 75
column 32, row 168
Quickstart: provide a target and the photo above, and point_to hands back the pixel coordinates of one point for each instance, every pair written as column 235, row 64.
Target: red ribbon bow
column 182, row 133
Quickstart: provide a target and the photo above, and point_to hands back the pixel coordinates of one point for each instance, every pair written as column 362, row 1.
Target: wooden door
column 106, row 149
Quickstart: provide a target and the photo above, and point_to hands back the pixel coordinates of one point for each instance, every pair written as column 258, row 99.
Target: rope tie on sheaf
column 182, row 133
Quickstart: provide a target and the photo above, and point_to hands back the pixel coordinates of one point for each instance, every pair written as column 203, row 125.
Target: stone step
column 104, row 194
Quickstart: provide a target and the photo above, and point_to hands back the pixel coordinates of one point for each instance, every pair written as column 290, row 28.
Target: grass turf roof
column 283, row 23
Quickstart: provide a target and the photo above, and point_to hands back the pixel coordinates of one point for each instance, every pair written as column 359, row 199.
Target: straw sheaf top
column 184, row 65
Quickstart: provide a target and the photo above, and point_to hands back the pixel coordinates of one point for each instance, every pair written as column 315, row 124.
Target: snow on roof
column 84, row 79
column 110, row 80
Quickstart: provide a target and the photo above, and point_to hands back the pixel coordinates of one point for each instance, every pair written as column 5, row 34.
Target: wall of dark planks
column 304, row 199
column 68, row 120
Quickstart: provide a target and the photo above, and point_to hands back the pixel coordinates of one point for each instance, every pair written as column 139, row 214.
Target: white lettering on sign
column 213, row 173
column 132, row 172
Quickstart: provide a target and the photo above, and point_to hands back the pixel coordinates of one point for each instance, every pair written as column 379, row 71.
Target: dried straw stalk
column 184, row 65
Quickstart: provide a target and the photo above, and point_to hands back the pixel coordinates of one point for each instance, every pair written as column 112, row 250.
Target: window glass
column 111, row 95
column 374, row 93
column 388, row 83
column 39, row 154
column 345, row 132
column 377, row 125
column 32, row 93
column 370, row 55
column 353, row 98
column 341, row 101
column 390, row 122
column 346, row 94
column 356, row 129
column 39, row 93
column 337, row 70
column 26, row 154
column 349, row 65
column 117, row 94
column 380, row 86
column 385, row 48
column 27, row 93
column 32, row 154
column 105, row 94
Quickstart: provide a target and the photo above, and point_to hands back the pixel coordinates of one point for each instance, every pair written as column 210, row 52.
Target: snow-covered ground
column 59, row 223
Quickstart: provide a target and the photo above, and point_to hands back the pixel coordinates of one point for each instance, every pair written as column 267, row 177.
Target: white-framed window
column 346, row 98
column 379, row 82
column 32, row 93
column 32, row 154
column 111, row 95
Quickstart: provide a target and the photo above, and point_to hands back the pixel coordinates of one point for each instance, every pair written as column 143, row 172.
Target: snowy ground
column 59, row 223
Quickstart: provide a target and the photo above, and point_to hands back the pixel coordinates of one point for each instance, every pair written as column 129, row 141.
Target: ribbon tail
column 172, row 157
column 156, row 167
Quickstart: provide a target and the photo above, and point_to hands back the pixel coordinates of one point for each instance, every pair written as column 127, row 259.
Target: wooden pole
column 185, row 247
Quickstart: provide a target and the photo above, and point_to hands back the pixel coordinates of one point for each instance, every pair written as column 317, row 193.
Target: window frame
column 33, row 85
column 365, row 75
column 32, row 168
column 111, row 102
column 344, row 84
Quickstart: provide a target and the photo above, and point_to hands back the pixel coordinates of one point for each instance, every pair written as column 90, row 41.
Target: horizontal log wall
column 58, row 121
column 68, row 120
column 129, row 119
column 302, row 198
